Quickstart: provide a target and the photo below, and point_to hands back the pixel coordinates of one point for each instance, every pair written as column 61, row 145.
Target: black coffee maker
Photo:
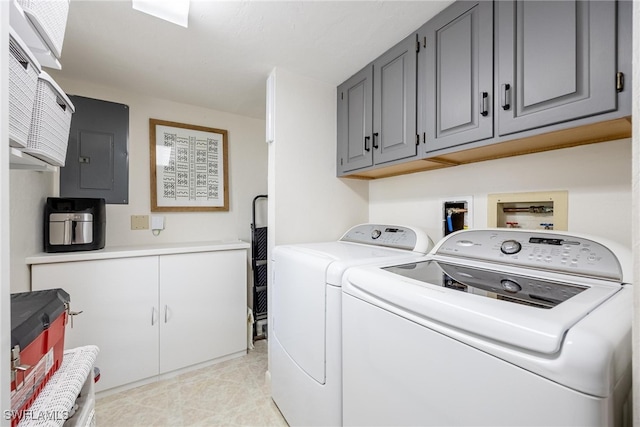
column 74, row 224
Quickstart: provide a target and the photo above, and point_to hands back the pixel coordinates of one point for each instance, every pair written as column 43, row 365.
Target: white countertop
column 137, row 251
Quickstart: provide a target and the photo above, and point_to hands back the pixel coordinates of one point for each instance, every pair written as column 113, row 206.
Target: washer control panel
column 399, row 237
column 549, row 251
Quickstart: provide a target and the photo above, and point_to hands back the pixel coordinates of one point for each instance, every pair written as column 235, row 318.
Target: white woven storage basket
column 23, row 79
column 50, row 122
column 49, row 17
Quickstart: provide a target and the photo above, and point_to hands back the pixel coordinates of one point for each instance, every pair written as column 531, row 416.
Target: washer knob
column 375, row 233
column 510, row 247
column 510, row 286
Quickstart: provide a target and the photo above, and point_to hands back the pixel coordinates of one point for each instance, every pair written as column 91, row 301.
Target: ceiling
column 222, row 60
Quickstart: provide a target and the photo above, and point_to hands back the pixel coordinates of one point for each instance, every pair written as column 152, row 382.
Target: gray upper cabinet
column 455, row 76
column 555, row 61
column 394, row 103
column 489, row 79
column 355, row 115
column 377, row 111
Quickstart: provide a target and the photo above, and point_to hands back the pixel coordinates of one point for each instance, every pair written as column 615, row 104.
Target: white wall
column 29, row 191
column 247, row 178
column 599, row 191
column 636, row 210
column 307, row 202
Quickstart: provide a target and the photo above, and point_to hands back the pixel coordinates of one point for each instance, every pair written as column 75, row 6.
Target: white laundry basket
column 50, row 122
column 49, row 17
column 23, row 80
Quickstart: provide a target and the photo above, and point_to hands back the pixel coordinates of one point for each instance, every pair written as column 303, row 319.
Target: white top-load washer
column 305, row 315
column 493, row 327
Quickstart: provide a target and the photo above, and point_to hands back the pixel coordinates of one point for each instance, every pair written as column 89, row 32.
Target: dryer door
column 299, row 308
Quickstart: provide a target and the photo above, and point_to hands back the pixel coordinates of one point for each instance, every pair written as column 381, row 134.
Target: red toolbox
column 38, row 321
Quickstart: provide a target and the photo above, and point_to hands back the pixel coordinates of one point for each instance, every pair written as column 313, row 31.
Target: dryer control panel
column 393, row 236
column 543, row 251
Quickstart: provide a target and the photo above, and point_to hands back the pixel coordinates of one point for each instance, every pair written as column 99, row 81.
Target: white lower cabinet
column 203, row 305
column 152, row 315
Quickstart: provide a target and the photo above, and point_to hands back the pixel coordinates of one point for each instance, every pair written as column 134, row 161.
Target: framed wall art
column 188, row 167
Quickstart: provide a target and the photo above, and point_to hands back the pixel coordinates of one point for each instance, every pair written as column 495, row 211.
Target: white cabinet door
column 203, row 303
column 118, row 299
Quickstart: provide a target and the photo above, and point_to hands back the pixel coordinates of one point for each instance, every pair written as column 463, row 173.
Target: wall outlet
column 139, row 222
column 157, row 222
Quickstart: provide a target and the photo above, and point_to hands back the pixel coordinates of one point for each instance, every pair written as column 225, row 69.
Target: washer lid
column 525, row 326
column 505, row 286
column 341, row 255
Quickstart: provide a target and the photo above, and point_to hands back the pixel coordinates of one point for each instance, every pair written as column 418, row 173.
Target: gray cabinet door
column 394, row 103
column 354, row 122
column 556, row 61
column 455, row 76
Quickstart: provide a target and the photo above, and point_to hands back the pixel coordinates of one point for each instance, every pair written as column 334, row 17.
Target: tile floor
column 231, row 393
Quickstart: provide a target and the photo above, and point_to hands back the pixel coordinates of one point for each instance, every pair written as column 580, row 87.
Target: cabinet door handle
column 366, row 143
column 153, row 316
column 484, row 104
column 375, row 140
column 506, row 96
column 166, row 313
column 619, row 81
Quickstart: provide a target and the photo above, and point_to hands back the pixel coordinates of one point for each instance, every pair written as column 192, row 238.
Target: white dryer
column 492, row 328
column 305, row 349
